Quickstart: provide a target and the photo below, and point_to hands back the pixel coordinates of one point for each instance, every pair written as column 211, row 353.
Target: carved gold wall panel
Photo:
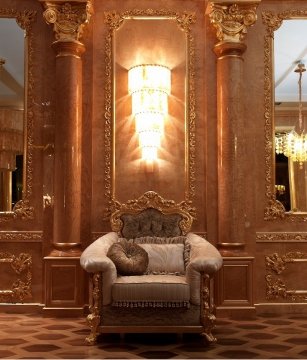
column 20, row 289
column 276, row 266
column 114, row 21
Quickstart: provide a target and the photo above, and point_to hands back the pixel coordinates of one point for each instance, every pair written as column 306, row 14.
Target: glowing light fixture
column 149, row 86
column 294, row 143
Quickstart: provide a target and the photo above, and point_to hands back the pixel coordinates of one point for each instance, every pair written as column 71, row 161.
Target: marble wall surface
column 69, row 158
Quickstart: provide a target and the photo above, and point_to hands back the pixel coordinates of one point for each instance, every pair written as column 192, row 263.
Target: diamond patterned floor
column 267, row 337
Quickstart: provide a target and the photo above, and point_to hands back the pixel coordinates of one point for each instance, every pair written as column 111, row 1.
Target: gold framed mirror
column 285, row 184
column 16, row 114
column 159, row 41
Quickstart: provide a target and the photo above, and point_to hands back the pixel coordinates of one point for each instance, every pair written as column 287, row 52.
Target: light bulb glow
column 149, row 86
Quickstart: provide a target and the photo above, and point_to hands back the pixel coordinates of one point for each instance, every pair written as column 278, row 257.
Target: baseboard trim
column 236, row 311
column 63, row 312
column 21, row 308
column 281, row 308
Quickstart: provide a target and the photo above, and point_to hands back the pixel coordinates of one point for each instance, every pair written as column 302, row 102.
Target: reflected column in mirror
column 290, row 58
column 12, row 51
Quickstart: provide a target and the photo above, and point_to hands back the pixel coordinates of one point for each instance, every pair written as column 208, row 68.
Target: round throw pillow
column 129, row 258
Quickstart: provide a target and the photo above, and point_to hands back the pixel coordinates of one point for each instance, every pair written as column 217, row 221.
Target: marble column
column 234, row 282
column 68, row 21
column 64, row 285
column 231, row 21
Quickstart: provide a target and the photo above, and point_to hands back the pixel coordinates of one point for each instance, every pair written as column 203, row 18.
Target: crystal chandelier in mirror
column 294, row 143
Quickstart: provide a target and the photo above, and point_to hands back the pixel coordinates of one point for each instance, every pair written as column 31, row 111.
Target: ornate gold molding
column 274, row 210
column 23, row 209
column 184, row 21
column 21, row 288
column 265, row 237
column 68, row 19
column 232, row 21
column 15, row 236
column 275, row 286
column 152, row 200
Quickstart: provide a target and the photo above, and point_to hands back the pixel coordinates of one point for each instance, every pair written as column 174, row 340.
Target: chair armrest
column 204, row 257
column 94, row 257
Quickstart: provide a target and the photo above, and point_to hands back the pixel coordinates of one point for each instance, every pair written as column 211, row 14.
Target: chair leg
column 93, row 319
column 207, row 317
column 93, row 322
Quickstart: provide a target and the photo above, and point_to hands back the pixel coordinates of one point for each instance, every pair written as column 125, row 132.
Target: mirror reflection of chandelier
column 294, row 143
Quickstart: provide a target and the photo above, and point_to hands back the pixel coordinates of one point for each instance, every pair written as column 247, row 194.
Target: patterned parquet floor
column 32, row 336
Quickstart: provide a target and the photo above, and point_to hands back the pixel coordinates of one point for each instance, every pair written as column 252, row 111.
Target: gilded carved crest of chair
column 171, row 290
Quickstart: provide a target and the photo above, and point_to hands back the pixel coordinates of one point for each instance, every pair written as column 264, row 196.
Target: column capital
column 68, row 18
column 232, row 19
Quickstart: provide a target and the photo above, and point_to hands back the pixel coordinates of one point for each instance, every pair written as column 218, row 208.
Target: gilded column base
column 231, row 249
column 66, row 250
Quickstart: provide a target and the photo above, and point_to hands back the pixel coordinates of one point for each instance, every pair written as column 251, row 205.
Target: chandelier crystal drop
column 294, row 143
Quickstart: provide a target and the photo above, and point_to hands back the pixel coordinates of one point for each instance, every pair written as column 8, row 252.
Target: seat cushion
column 151, row 291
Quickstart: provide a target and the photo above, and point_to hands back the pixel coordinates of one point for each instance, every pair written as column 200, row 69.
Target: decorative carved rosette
column 231, row 22
column 21, row 288
column 152, row 200
column 275, row 210
column 68, row 20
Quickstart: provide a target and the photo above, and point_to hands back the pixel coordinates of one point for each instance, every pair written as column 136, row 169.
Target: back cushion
column 150, row 222
column 165, row 258
column 167, row 255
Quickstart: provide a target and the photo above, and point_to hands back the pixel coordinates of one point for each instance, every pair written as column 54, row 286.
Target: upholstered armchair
column 151, row 274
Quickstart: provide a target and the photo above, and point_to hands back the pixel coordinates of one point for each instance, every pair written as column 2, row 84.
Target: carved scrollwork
column 25, row 19
column 231, row 22
column 152, row 200
column 281, row 237
column 274, row 211
column 68, row 20
column 276, row 287
column 21, row 289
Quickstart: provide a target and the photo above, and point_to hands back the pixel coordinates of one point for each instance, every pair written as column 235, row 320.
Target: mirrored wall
column 12, row 92
column 285, row 99
column 290, row 57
